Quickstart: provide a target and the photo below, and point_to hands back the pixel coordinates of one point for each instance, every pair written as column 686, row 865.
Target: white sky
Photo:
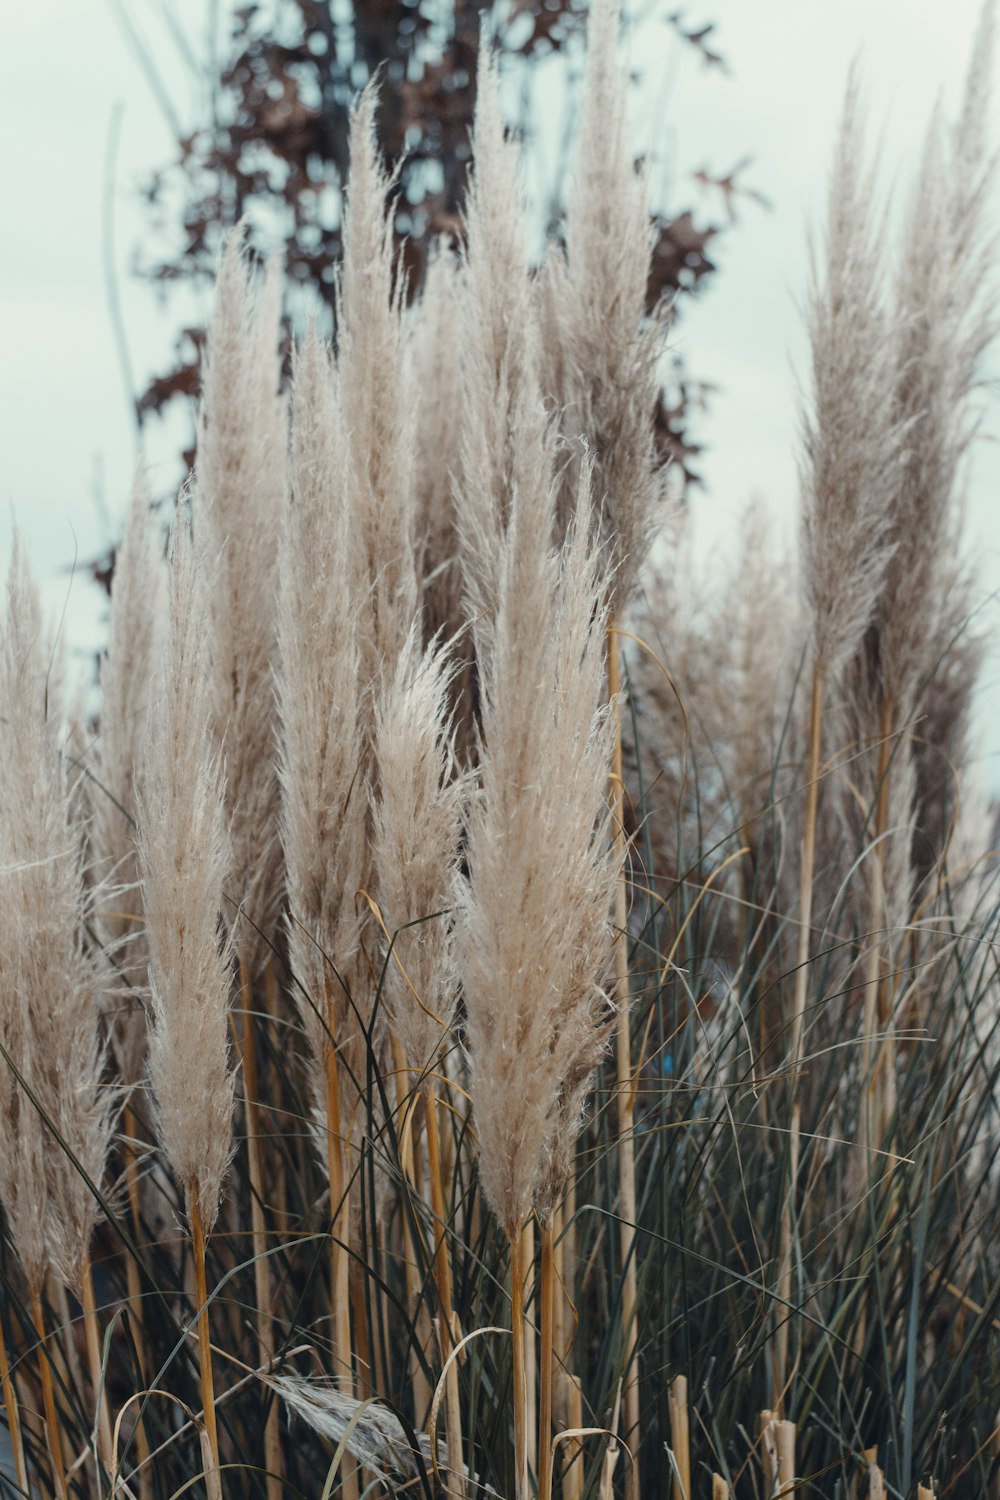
column 63, row 415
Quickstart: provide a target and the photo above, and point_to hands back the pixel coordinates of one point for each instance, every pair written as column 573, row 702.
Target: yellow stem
column 520, row 1382
column 624, row 1075
column 13, row 1416
column 52, row 1430
column 530, row 1349
column 442, row 1279
column 258, row 1231
column 547, row 1351
column 680, row 1437
column 419, row 1384
column 204, row 1342
column 340, row 1264
column 572, row 1481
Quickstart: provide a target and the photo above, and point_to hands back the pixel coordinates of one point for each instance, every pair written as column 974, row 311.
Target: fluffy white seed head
column 239, row 503
column 601, row 349
column 850, row 444
column 417, row 825
column 498, row 339
column 51, row 984
column 533, row 934
column 324, row 782
column 185, row 857
column 379, row 415
column 138, row 615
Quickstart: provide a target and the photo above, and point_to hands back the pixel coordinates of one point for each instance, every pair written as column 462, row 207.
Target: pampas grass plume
column 50, row 983
column 850, row 438
column 324, row 797
column 241, row 483
column 379, row 413
column 533, row 936
column 185, row 856
column 417, row 825
column 138, row 610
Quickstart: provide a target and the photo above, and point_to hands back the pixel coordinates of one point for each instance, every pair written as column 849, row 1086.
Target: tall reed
column 58, row 1111
column 421, row 690
column 850, row 463
column 185, row 858
column 538, row 1019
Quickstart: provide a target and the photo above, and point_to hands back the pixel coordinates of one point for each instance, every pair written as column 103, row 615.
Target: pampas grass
column 379, row 414
column 57, row 1113
column 850, row 464
column 324, row 789
column 240, row 477
column 185, row 857
column 496, row 341
column 371, row 747
column 537, row 1016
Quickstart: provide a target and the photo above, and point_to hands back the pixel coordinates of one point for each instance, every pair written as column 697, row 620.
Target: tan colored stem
column 52, row 1430
column 560, row 1318
column 720, row 1489
column 134, row 1287
column 521, row 1415
column 530, row 1349
column 340, row 1291
column 786, row 1458
column 204, row 1342
column 807, row 868
column 442, row 1279
column 419, row 1384
column 624, row 1079
column 340, row 1263
column 572, row 1476
column 93, row 1336
column 258, row 1231
column 680, row 1437
column 66, row 1368
column 13, row 1416
column 877, row 1010
column 547, row 1352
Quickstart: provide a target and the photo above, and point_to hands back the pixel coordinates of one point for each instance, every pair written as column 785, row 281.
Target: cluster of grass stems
column 487, row 1008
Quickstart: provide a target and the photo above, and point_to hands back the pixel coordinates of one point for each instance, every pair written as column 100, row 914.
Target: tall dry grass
column 551, row 990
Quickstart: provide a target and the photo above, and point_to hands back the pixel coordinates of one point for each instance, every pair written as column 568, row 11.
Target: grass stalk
column 786, row 1457
column 340, row 1261
column 806, row 872
column 877, row 1010
column 133, row 1283
column 53, row 1432
column 623, row 1075
column 680, row 1437
column 13, row 1415
column 442, row 1279
column 408, row 1162
column 521, row 1413
column 258, row 1231
column 530, row 1348
column 560, row 1315
column 548, row 1298
column 93, row 1337
column 572, row 1462
column 204, row 1341
column 883, row 1080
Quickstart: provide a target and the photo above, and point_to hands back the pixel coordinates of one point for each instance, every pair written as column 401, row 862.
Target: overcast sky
column 66, row 439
